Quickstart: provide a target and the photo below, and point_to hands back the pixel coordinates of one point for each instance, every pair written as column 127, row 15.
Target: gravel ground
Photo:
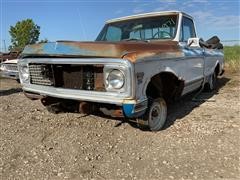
column 200, row 140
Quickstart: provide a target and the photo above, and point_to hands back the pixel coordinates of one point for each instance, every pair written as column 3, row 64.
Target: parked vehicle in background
column 9, row 55
column 134, row 68
column 9, row 69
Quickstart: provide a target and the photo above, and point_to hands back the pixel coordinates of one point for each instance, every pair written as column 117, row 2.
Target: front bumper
column 10, row 74
column 81, row 95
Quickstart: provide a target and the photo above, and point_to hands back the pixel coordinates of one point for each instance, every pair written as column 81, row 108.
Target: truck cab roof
column 150, row 14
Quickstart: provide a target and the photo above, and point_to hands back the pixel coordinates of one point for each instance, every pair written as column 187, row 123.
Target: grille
column 40, row 74
column 83, row 77
column 11, row 67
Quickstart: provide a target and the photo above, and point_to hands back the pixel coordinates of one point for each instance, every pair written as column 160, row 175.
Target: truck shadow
column 181, row 108
column 10, row 91
column 178, row 109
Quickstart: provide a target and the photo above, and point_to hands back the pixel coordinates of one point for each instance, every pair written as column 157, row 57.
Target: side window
column 113, row 34
column 187, row 29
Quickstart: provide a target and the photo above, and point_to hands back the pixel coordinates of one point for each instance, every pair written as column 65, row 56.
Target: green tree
column 24, row 32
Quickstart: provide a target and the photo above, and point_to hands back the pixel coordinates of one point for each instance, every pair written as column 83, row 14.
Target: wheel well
column 165, row 85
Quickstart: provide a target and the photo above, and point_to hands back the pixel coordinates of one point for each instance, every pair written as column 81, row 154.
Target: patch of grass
column 232, row 57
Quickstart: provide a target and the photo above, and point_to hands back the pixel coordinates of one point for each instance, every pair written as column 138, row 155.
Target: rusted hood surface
column 128, row 50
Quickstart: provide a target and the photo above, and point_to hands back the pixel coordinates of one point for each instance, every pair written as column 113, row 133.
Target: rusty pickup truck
column 133, row 69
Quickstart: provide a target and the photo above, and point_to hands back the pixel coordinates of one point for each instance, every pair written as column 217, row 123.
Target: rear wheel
column 212, row 83
column 156, row 115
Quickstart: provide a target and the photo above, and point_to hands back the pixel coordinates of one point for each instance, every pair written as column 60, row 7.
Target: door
column 192, row 64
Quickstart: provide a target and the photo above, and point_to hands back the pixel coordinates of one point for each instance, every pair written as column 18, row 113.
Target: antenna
column 82, row 26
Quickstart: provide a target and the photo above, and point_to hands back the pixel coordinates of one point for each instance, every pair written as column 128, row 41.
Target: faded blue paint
column 192, row 52
column 211, row 52
column 57, row 48
column 189, row 52
column 128, row 109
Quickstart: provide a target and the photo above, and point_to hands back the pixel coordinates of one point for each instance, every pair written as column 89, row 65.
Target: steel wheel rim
column 155, row 115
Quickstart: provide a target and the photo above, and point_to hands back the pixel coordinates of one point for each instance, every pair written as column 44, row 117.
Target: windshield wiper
column 135, row 39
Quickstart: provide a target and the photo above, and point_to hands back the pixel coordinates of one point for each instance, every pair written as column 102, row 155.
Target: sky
column 82, row 20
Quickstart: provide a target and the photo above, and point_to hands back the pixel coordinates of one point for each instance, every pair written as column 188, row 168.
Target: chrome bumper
column 9, row 74
column 81, row 95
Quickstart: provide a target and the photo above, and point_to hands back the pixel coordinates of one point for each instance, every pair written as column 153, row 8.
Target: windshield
column 151, row 28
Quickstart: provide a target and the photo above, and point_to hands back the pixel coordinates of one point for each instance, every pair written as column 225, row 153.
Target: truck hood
column 128, row 50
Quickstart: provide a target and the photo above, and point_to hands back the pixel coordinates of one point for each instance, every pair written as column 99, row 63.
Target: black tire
column 156, row 115
column 213, row 40
column 212, row 83
column 219, row 46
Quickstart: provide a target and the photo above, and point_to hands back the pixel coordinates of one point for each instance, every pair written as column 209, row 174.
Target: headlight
column 115, row 79
column 24, row 73
column 3, row 67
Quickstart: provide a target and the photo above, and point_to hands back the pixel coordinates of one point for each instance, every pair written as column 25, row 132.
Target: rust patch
column 86, row 108
column 112, row 112
column 99, row 79
column 130, row 56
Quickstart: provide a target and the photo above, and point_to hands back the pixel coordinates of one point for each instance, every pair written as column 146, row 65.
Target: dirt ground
column 200, row 141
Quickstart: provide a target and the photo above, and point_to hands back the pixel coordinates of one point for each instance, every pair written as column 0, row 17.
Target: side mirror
column 193, row 42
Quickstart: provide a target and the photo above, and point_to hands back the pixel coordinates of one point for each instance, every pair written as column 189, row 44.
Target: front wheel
column 156, row 115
